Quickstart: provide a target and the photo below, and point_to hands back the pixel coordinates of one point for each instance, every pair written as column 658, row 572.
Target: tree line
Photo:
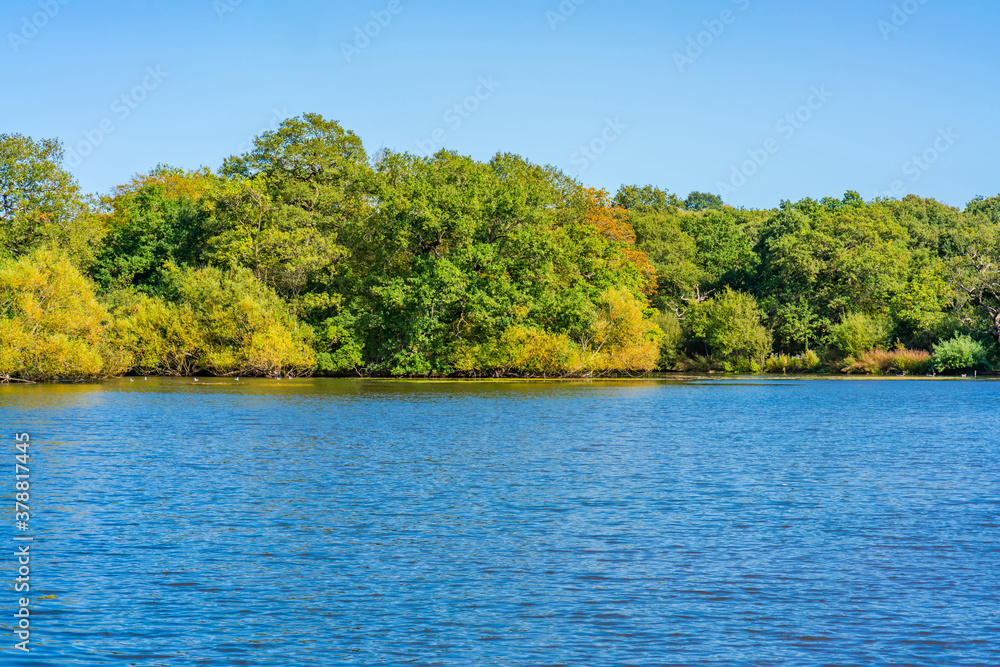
column 307, row 255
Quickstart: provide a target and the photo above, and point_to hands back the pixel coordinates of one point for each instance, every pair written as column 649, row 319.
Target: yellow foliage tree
column 51, row 325
column 159, row 338
column 623, row 338
column 223, row 323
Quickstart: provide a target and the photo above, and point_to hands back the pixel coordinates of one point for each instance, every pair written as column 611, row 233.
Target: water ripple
column 329, row 522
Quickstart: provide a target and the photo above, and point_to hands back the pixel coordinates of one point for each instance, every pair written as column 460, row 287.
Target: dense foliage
column 307, row 255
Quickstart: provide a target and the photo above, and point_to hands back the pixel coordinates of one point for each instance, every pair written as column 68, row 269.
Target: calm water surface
column 336, row 522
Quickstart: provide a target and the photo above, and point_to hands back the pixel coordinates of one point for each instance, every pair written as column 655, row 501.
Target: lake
column 731, row 521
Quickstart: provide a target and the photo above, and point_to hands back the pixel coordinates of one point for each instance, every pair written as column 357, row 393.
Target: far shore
column 209, row 381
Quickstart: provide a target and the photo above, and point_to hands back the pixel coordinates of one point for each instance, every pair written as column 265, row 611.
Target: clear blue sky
column 596, row 74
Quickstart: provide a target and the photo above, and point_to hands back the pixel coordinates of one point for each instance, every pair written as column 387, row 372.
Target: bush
column 158, row 338
column 538, row 352
column 51, row 325
column 698, row 363
column 780, row 363
column 880, row 362
column 223, row 323
column 671, row 341
column 729, row 326
column 744, row 365
column 810, row 360
column 623, row 338
column 858, row 333
column 338, row 348
column 807, row 362
column 620, row 338
column 913, row 362
column 960, row 353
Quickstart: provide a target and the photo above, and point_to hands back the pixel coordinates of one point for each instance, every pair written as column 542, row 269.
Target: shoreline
column 215, row 381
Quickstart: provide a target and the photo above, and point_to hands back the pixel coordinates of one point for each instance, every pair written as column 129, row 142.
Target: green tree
column 977, row 275
column 921, row 308
column 461, row 260
column 988, row 208
column 702, row 201
column 932, row 225
column 292, row 197
column 40, row 202
column 310, row 163
column 157, row 220
column 646, row 199
column 724, row 253
column 674, row 255
column 797, row 324
column 828, row 258
column 282, row 245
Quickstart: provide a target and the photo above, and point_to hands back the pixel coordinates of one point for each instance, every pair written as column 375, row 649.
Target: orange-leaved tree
column 613, row 223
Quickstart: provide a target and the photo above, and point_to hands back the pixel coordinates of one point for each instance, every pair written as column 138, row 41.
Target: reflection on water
column 648, row 522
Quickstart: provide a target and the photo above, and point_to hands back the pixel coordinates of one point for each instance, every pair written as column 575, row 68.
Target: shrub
column 858, row 333
column 746, row 365
column 224, row 323
column 779, row 363
column 810, row 360
column 729, row 325
column 620, row 338
column 807, row 362
column 671, row 341
column 158, row 338
column 624, row 339
column 698, row 363
column 913, row 362
column 880, row 362
column 536, row 352
column 51, row 325
column 960, row 353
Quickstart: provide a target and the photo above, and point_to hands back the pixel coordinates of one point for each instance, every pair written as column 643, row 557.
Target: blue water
column 338, row 522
